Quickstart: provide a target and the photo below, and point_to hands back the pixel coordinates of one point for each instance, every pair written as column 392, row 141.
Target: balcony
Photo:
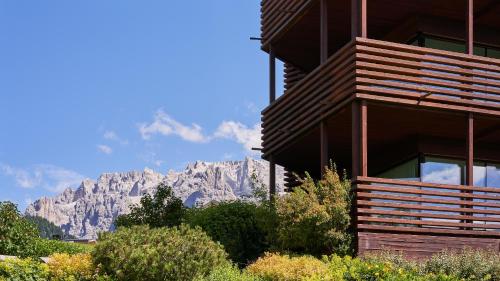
column 383, row 72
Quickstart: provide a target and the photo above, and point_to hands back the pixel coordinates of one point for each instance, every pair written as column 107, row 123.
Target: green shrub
column 47, row 229
column 142, row 253
column 228, row 273
column 467, row 264
column 163, row 209
column 17, row 235
column 23, row 270
column 65, row 267
column 274, row 267
column 237, row 225
column 45, row 247
column 315, row 218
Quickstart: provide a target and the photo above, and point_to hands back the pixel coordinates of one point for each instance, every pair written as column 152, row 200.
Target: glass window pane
column 492, row 53
column 479, row 174
column 479, row 51
column 444, row 171
column 493, row 175
column 444, row 45
column 406, row 171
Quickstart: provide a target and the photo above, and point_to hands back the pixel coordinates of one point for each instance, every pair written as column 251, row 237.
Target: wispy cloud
column 113, row 136
column 236, row 131
column 104, row 149
column 50, row 177
column 165, row 125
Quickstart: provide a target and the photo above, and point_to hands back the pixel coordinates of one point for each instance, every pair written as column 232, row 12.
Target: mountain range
column 94, row 205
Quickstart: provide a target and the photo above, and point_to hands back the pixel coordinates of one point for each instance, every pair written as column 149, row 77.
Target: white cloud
column 165, row 125
column 113, row 136
column 104, row 149
column 248, row 137
column 50, row 177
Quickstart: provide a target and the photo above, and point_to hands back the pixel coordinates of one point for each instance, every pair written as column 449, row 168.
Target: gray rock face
column 93, row 207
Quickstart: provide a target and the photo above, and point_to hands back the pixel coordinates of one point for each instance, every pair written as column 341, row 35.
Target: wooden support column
column 358, row 19
column 323, row 58
column 364, row 139
column 272, row 178
column 323, row 31
column 470, row 28
column 272, row 75
column 470, row 150
column 359, row 139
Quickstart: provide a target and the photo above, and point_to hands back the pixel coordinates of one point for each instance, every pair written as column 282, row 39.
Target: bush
column 236, row 225
column 64, row 267
column 315, row 218
column 45, row 247
column 17, row 235
column 467, row 264
column 273, row 267
column 23, row 269
column 163, row 209
column 142, row 253
column 228, row 273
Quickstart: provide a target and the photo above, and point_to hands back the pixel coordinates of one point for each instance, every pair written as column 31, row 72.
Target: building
column 405, row 96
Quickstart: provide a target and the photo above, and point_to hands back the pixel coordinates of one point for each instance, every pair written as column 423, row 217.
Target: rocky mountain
column 94, row 205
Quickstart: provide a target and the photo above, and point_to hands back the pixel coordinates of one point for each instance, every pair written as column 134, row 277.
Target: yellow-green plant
column 14, row 269
column 274, row 267
column 65, row 267
column 315, row 218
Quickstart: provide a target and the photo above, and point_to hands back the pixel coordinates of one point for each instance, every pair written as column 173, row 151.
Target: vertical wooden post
column 355, row 141
column 272, row 75
column 323, row 31
column 323, row 58
column 364, row 139
column 272, row 178
column 470, row 28
column 323, row 145
column 470, row 150
column 359, row 19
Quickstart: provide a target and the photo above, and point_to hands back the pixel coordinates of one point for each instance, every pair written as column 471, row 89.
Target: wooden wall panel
column 420, row 246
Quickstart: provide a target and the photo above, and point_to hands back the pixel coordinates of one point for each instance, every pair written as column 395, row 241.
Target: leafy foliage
column 229, row 273
column 64, row 267
column 143, row 253
column 162, row 209
column 17, row 235
column 236, row 225
column 23, row 270
column 47, row 229
column 45, row 247
column 273, row 267
column 315, row 217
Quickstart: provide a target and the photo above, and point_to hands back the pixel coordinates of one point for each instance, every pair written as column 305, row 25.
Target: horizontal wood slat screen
column 389, row 205
column 384, row 72
column 275, row 14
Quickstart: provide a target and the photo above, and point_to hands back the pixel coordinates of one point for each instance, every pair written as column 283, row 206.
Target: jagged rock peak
column 94, row 205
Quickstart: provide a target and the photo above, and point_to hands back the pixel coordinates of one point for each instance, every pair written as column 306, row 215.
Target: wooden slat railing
column 276, row 14
column 414, row 207
column 387, row 72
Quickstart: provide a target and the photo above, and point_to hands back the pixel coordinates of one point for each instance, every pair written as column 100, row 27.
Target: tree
column 17, row 235
column 161, row 209
column 47, row 229
column 315, row 217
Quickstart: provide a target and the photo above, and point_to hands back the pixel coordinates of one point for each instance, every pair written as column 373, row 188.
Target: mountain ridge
column 94, row 205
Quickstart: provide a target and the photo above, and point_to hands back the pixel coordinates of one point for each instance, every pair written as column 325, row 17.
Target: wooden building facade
column 405, row 96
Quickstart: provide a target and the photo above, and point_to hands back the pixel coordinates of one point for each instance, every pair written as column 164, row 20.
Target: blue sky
column 88, row 87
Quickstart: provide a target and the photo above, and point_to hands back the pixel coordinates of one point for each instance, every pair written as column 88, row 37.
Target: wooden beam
column 272, row 76
column 355, row 141
column 470, row 28
column 358, row 19
column 324, row 146
column 272, row 178
column 364, row 138
column 470, row 150
column 323, row 31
